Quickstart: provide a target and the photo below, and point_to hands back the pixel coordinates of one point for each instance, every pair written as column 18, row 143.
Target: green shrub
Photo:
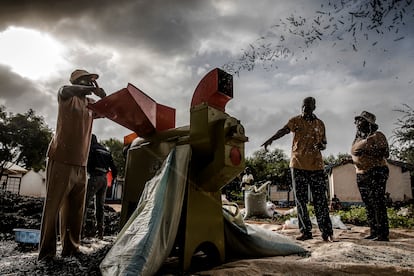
column 357, row 215
column 399, row 221
column 311, row 210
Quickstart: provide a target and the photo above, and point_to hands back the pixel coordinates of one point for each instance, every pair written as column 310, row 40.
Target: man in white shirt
column 247, row 180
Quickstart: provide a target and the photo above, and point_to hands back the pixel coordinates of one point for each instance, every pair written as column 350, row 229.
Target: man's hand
column 280, row 133
column 266, row 144
column 320, row 146
column 98, row 91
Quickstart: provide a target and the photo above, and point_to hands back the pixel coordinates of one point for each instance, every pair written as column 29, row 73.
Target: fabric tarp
column 251, row 241
column 147, row 238
column 149, row 235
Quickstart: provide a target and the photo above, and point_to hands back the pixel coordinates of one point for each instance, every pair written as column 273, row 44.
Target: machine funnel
column 135, row 110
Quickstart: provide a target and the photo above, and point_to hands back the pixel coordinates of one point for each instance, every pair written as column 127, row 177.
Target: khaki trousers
column 65, row 196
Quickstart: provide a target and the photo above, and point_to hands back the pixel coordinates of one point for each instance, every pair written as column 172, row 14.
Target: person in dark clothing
column 307, row 168
column 336, row 204
column 369, row 152
column 388, row 199
column 99, row 163
column 231, row 188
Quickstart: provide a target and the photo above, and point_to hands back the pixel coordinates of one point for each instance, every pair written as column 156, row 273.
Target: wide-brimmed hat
column 367, row 116
column 81, row 73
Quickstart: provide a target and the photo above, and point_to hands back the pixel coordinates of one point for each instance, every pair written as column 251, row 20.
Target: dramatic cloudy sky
column 166, row 47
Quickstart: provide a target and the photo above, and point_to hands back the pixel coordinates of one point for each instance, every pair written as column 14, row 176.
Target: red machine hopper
column 133, row 109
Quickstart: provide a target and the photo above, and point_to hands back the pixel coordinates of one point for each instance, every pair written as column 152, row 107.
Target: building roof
column 11, row 168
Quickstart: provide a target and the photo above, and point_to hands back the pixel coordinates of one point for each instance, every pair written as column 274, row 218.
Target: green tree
column 116, row 148
column 334, row 160
column 402, row 145
column 24, row 139
column 269, row 164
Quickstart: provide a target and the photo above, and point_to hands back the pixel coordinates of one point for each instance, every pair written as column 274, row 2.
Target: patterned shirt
column 371, row 148
column 306, row 134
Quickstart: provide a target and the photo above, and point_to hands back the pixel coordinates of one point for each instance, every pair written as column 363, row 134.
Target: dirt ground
column 350, row 254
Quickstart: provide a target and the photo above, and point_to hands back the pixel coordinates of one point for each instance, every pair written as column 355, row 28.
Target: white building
column 342, row 182
column 11, row 178
column 33, row 184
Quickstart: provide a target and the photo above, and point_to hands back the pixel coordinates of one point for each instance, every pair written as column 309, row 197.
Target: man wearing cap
column 66, row 166
column 369, row 152
column 307, row 168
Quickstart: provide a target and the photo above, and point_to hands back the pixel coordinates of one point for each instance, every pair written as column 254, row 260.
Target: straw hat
column 81, row 73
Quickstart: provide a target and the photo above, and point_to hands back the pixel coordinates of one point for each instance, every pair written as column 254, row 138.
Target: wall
column 399, row 184
column 342, row 182
column 33, row 184
column 276, row 195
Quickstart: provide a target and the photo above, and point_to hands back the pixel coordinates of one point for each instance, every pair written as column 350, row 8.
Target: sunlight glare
column 30, row 53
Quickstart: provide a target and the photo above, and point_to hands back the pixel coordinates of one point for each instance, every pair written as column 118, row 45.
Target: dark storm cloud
column 41, row 14
column 20, row 11
column 158, row 25
column 12, row 85
column 19, row 94
column 163, row 27
column 166, row 47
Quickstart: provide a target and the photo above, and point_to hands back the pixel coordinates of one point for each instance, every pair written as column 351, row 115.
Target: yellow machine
column 217, row 143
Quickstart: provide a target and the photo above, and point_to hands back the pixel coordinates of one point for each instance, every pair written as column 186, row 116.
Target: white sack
column 255, row 201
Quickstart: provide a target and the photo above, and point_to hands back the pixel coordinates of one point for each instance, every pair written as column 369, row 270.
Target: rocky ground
column 349, row 255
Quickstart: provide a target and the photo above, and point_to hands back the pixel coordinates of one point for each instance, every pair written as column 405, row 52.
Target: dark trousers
column 372, row 186
column 95, row 200
column 302, row 180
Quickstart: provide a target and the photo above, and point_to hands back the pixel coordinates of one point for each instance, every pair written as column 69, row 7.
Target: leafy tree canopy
column 402, row 146
column 274, row 165
column 334, row 160
column 116, row 148
column 269, row 165
column 24, row 139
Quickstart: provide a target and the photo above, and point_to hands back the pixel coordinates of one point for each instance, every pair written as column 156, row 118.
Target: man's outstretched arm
column 280, row 133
